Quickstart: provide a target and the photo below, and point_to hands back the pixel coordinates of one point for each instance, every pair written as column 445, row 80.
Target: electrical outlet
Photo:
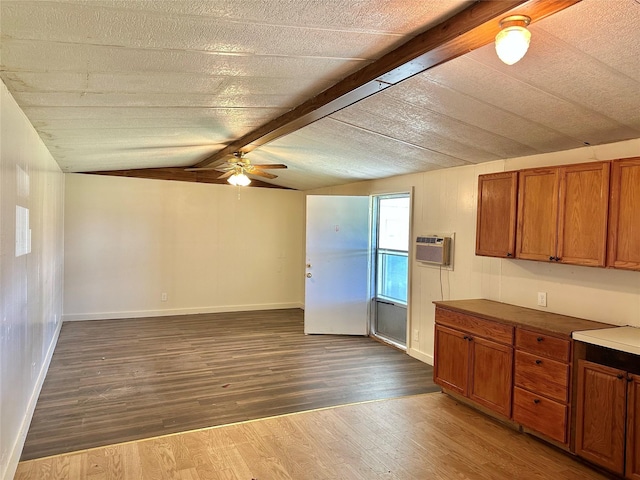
column 542, row 299
column 416, row 335
column 163, row 297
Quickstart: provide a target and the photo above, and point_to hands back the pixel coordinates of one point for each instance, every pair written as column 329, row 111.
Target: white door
column 337, row 284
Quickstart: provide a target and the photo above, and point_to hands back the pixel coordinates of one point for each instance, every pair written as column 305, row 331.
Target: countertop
column 536, row 320
column 625, row 339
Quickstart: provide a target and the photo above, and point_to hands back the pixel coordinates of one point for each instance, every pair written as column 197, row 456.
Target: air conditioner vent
column 433, row 249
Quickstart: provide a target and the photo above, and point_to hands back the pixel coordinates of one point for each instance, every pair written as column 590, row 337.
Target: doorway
column 390, row 272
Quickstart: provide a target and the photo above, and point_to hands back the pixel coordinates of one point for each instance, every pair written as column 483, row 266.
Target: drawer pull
column 539, row 339
column 536, row 401
column 538, row 362
column 620, row 376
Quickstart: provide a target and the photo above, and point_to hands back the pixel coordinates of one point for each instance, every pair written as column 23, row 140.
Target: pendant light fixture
column 513, row 40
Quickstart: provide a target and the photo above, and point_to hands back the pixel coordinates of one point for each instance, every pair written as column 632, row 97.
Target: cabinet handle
column 557, row 259
column 539, row 339
column 509, row 254
column 470, row 339
column 536, row 401
column 466, row 337
column 552, row 258
column 538, row 362
column 620, row 376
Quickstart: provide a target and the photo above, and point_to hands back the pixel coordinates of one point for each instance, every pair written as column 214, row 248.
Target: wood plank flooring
column 421, row 437
column 112, row 381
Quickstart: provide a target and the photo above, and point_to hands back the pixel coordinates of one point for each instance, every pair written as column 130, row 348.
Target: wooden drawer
column 542, row 375
column 540, row 414
column 498, row 332
column 543, row 345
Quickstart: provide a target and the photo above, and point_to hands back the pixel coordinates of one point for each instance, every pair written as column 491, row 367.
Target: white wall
column 210, row 248
column 30, row 284
column 445, row 202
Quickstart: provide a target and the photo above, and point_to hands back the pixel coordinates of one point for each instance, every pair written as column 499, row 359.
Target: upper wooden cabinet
column 496, row 220
column 624, row 215
column 562, row 214
column 537, row 214
column 582, row 215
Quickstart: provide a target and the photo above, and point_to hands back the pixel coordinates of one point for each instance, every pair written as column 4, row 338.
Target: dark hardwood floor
column 112, row 381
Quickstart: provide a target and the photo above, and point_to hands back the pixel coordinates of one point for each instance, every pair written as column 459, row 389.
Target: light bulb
column 513, row 40
column 239, row 180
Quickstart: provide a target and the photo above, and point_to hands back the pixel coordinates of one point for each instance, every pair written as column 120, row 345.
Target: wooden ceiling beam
column 179, row 174
column 471, row 28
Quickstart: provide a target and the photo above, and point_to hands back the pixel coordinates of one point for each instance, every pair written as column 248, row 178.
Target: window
column 392, row 247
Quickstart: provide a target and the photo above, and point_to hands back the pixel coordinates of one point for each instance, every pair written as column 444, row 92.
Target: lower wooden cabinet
column 451, row 369
column 541, row 414
column 522, row 365
column 470, row 364
column 607, row 418
column 542, row 372
column 491, row 377
column 632, row 469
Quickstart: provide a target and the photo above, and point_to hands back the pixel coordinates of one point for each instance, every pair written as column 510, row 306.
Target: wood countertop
column 535, row 320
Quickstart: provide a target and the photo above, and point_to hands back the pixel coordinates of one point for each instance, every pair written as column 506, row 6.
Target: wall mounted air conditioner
column 433, row 250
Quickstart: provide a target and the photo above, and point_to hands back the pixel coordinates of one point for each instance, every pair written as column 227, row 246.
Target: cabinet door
column 451, row 359
column 496, row 220
column 633, row 428
column 491, row 383
column 624, row 215
column 583, row 211
column 600, row 415
column 537, row 214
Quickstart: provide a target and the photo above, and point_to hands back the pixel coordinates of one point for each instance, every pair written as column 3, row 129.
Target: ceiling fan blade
column 220, row 165
column 226, row 175
column 270, row 166
column 262, row 174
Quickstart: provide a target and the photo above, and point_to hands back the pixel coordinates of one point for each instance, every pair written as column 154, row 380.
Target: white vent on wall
column 433, row 250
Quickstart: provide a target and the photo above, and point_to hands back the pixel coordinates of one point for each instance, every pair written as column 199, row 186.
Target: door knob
column 309, row 275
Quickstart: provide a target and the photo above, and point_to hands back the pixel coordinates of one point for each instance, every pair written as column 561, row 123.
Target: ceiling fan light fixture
column 239, row 180
column 513, row 40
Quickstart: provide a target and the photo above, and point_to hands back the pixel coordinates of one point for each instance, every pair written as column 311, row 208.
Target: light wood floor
column 420, row 437
column 112, row 381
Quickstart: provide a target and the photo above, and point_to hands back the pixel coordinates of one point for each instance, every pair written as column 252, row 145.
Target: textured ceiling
column 140, row 84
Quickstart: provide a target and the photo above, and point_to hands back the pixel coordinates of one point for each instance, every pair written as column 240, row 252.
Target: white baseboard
column 423, row 357
column 16, row 451
column 70, row 317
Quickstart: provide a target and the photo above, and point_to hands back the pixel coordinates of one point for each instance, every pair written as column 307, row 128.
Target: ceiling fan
column 236, row 169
